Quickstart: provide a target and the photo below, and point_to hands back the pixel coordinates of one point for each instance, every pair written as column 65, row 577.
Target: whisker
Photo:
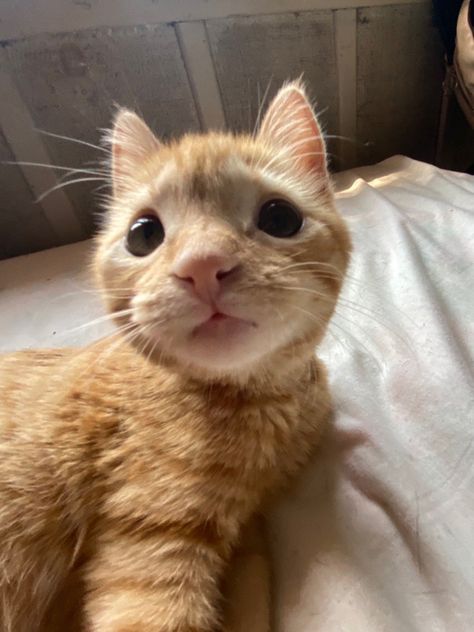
column 341, row 299
column 346, row 138
column 44, row 165
column 153, row 346
column 303, row 264
column 103, row 294
column 71, row 139
column 102, row 319
column 344, row 331
column 99, row 293
column 261, row 106
column 318, row 321
column 125, row 334
column 61, row 185
column 348, row 279
column 358, row 342
column 349, row 305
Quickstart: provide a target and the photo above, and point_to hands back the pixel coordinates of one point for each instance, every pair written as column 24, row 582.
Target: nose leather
column 204, row 274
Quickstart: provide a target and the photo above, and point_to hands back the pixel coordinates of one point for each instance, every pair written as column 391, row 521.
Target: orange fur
column 131, row 466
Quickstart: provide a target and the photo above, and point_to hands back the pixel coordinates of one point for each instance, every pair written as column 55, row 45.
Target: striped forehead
column 199, row 180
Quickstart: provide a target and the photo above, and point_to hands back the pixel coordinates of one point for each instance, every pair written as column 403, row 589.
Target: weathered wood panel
column 29, row 17
column 399, row 77
column 250, row 52
column 23, row 227
column 71, row 83
column 375, row 72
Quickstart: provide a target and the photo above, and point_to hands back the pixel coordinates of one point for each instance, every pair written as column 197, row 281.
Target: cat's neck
column 280, row 372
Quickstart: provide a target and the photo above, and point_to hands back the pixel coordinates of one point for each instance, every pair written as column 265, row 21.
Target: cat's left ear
column 132, row 142
column 291, row 126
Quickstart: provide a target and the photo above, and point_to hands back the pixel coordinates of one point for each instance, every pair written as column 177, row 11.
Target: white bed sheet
column 379, row 533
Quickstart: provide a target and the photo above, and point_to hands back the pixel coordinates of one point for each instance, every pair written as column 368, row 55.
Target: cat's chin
column 221, row 343
column 217, row 344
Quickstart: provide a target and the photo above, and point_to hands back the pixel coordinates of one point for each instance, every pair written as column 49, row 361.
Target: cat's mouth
column 221, row 324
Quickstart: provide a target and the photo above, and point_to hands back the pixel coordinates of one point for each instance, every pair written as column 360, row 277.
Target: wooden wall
column 375, row 72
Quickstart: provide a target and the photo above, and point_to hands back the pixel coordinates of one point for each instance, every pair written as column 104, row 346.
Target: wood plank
column 345, row 32
column 252, row 54
column 197, row 58
column 29, row 17
column 23, row 225
column 26, row 146
column 72, row 82
column 399, row 77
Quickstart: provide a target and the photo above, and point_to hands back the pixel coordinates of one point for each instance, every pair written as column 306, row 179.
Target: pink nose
column 204, row 274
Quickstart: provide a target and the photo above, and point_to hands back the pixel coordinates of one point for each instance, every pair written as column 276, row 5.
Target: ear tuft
column 291, row 126
column 132, row 141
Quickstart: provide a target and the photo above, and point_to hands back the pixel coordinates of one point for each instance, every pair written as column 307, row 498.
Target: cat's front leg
column 247, row 584
column 153, row 581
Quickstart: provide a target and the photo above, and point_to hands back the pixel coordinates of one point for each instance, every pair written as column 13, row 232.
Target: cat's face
column 223, row 250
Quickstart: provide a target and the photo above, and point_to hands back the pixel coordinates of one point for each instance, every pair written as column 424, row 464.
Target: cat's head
column 223, row 253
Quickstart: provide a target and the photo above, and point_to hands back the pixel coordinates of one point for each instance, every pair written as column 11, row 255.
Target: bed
column 378, row 533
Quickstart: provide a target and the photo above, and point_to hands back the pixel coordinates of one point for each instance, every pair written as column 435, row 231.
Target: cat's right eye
column 145, row 235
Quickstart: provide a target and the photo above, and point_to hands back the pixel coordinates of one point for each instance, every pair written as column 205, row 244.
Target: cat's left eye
column 145, row 235
column 279, row 218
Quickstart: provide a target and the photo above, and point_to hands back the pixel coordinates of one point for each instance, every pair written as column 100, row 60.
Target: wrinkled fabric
column 378, row 535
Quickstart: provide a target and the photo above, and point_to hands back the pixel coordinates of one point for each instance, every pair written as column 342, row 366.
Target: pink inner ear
column 117, row 152
column 119, row 161
column 119, row 172
column 132, row 143
column 291, row 124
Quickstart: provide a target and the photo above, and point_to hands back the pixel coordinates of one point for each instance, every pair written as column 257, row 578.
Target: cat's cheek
column 115, row 266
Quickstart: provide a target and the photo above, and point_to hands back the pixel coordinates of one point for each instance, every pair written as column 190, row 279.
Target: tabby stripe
column 140, row 529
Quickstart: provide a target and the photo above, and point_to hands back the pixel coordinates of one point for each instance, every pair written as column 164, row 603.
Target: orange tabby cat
column 132, row 465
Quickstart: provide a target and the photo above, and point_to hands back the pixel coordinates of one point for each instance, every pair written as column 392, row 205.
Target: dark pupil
column 279, row 219
column 145, row 235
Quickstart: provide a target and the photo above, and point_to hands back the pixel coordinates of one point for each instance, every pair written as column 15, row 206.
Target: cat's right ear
column 291, row 127
column 132, row 142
